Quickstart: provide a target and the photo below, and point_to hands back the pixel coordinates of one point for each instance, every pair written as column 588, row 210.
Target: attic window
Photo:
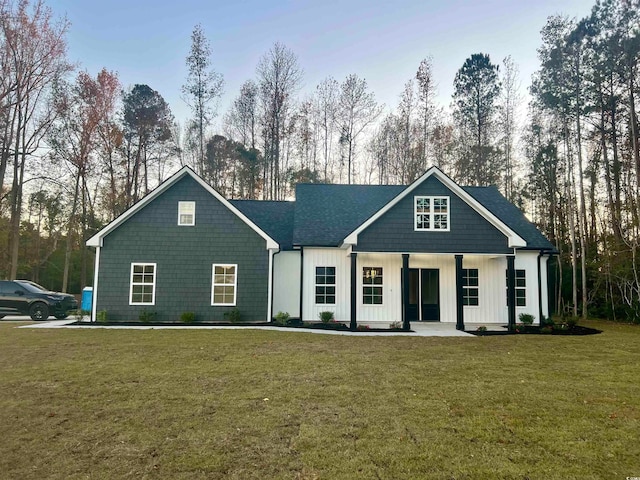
column 431, row 214
column 186, row 214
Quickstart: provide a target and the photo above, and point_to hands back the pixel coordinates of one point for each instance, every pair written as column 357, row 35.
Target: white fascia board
column 97, row 239
column 514, row 239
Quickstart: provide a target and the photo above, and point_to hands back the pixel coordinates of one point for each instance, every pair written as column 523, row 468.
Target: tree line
column 77, row 150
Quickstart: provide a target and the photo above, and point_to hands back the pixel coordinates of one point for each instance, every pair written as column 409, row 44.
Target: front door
column 430, row 294
column 424, row 295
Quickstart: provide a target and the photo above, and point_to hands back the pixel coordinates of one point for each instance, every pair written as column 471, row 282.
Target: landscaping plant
column 326, row 317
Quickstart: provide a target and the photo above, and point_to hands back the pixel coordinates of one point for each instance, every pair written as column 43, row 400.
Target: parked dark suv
column 22, row 297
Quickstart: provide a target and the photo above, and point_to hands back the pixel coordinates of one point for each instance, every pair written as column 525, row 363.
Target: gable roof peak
column 514, row 240
column 98, row 238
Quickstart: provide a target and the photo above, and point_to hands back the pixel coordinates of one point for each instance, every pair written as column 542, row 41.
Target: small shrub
column 395, row 326
column 572, row 322
column 282, row 318
column 546, row 329
column 147, row 316
column 101, row 316
column 232, row 315
column 188, row 317
column 481, row 328
column 326, row 317
column 364, row 328
column 526, row 318
column 544, row 321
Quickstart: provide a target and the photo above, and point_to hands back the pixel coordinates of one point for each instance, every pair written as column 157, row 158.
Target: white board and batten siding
column 326, row 257
column 286, row 284
column 492, row 306
column 528, row 261
column 391, row 308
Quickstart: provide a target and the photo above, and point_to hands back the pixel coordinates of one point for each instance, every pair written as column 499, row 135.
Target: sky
column 146, row 42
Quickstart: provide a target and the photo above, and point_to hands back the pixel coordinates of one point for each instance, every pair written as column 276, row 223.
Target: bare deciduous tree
column 33, row 50
column 279, row 77
column 201, row 91
column 358, row 110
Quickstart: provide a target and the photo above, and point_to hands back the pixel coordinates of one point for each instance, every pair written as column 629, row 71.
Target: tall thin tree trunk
column 69, row 245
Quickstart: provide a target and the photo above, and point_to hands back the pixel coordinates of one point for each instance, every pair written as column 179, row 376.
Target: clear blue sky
column 382, row 41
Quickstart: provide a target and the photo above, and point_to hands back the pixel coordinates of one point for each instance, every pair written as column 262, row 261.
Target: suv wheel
column 62, row 316
column 39, row 311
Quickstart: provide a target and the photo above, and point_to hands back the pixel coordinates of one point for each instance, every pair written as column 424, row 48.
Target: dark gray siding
column 184, row 258
column 469, row 231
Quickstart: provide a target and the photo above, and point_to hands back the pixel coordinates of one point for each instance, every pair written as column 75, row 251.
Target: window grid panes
column 521, row 287
column 224, row 285
column 186, row 213
column 372, row 285
column 143, row 284
column 325, row 285
column 432, row 213
column 470, row 290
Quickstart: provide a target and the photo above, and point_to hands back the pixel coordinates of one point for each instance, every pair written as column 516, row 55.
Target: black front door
column 430, row 294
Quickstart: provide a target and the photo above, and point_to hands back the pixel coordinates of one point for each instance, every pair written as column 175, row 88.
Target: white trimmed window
column 431, row 213
column 521, row 287
column 186, row 214
column 225, row 285
column 325, row 285
column 372, row 285
column 470, row 290
column 142, row 289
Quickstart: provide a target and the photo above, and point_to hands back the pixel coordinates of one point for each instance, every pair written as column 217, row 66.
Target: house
column 430, row 251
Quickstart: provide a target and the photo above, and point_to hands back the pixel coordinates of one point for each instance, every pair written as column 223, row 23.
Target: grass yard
column 246, row 404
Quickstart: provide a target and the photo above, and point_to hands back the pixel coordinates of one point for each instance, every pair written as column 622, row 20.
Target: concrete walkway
column 419, row 329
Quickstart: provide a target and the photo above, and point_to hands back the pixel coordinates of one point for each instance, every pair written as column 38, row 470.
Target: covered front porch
column 420, row 288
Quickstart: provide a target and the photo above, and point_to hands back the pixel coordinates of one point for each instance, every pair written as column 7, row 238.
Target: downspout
column 543, row 252
column 540, row 288
column 271, row 283
column 94, row 293
column 301, row 279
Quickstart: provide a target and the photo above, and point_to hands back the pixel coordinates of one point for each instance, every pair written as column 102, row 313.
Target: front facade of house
column 430, row 251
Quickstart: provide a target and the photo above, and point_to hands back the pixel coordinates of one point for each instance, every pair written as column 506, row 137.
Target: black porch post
column 405, row 291
column 354, row 295
column 511, row 292
column 459, row 294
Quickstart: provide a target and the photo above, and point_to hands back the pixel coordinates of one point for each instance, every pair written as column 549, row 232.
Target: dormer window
column 431, row 213
column 186, row 213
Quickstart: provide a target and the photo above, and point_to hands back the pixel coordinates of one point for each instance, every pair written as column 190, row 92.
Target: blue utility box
column 87, row 298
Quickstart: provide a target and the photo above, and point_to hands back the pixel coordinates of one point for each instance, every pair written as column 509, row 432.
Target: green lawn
column 244, row 404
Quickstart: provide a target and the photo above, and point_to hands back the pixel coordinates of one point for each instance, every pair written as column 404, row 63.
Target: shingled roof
column 274, row 218
column 511, row 215
column 326, row 214
column 323, row 214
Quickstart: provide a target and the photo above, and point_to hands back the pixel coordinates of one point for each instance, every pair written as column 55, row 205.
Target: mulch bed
column 537, row 330
column 173, row 324
column 317, row 326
